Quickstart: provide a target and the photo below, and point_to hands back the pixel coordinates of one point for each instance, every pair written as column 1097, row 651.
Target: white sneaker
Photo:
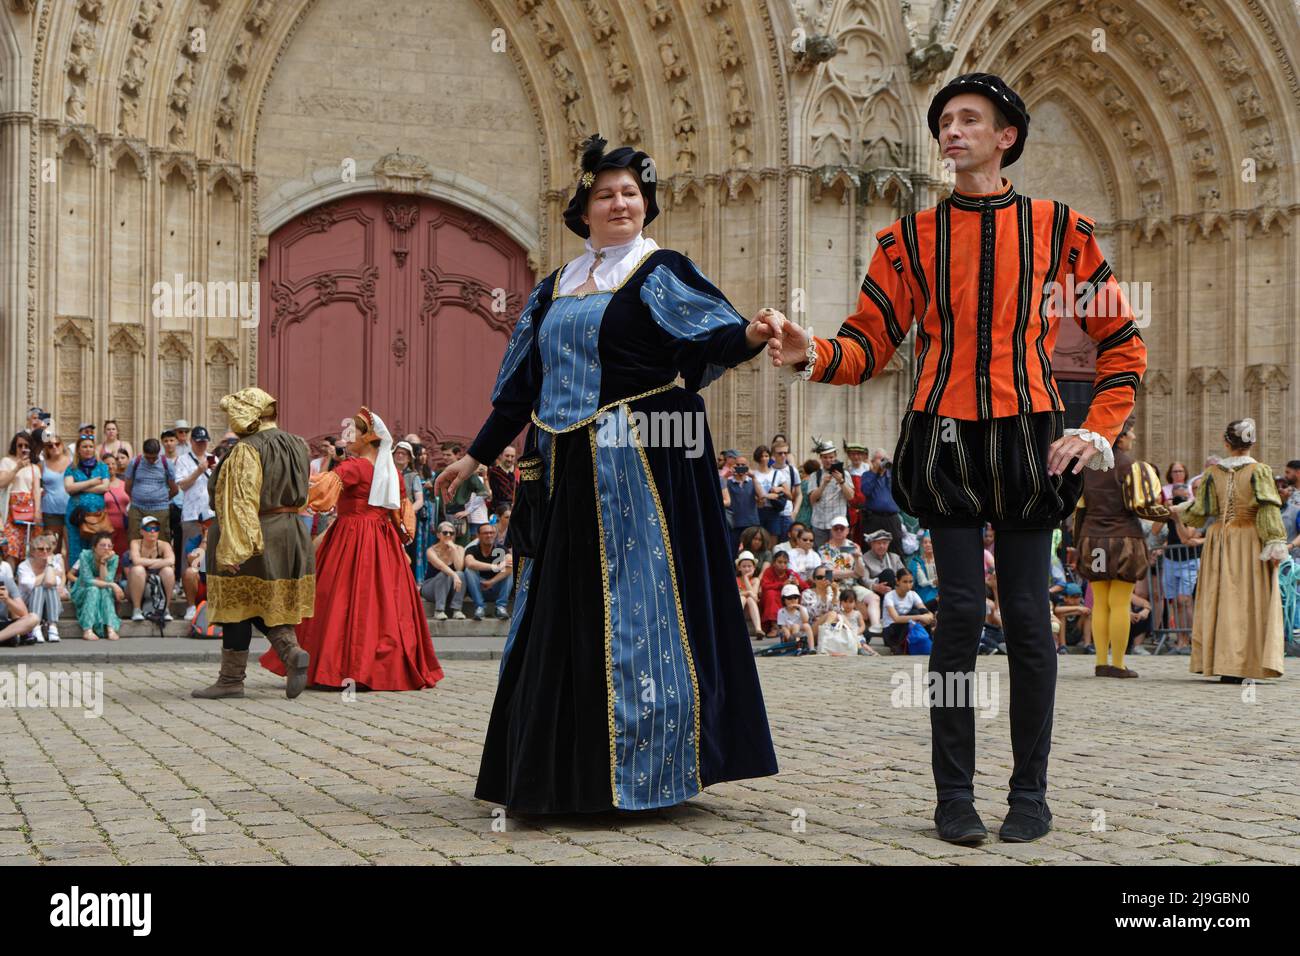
column 167, row 616
column 39, row 634
column 52, row 633
column 137, row 615
column 190, row 612
column 458, row 615
column 440, row 615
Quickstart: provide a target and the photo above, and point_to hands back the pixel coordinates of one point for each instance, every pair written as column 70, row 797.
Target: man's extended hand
column 787, row 343
column 1065, row 448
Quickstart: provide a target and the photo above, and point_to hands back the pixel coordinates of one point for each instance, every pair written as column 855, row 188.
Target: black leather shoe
column 1027, row 821
column 957, row 822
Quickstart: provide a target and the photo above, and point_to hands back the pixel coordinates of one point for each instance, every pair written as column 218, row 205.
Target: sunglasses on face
column 42, row 550
column 792, row 597
column 149, row 530
column 446, row 532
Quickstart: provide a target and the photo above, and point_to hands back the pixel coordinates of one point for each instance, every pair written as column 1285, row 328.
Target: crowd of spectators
column 848, row 540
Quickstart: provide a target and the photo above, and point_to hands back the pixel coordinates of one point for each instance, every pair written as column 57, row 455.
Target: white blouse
column 615, row 265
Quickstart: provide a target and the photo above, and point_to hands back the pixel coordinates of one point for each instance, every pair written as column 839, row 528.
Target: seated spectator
column 772, row 583
column 792, row 539
column 902, row 606
column 842, row 556
column 747, row 582
column 86, row 481
column 792, row 619
column 882, row 565
column 804, row 559
column 95, row 589
column 18, row 625
column 925, row 573
column 41, row 585
column 757, row 542
column 1075, row 618
column 488, row 572
column 150, row 485
column 992, row 640
column 150, row 556
column 446, row 574
column 20, row 479
column 853, row 617
column 820, row 601
column 194, row 579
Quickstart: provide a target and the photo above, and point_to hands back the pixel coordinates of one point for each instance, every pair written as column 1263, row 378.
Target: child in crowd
column 1075, row 618
column 902, row 606
column 792, row 620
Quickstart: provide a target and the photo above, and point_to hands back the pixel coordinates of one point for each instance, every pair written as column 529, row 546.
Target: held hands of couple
column 787, row 342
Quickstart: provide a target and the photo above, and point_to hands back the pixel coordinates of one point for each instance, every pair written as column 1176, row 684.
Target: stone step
column 178, row 608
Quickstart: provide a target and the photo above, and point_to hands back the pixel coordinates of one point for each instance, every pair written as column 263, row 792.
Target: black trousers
column 1022, row 564
column 237, row 636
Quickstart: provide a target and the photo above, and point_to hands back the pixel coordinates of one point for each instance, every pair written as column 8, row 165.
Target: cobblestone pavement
column 1177, row 770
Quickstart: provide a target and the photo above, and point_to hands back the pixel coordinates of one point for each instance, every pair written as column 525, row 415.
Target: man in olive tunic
column 261, row 562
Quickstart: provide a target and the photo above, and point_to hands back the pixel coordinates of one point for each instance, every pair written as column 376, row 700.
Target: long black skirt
column 602, row 702
column 952, row 472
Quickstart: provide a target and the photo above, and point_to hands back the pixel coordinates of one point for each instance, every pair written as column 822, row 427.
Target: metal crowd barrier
column 1174, row 564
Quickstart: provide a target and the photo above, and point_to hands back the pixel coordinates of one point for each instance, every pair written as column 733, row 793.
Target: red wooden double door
column 400, row 303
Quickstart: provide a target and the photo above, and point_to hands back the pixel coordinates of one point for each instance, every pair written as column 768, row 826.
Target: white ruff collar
column 614, row 267
column 1235, row 462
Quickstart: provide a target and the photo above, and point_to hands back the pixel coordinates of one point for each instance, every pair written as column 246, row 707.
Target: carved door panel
column 401, row 303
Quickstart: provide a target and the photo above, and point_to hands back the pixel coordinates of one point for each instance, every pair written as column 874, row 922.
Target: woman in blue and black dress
column 628, row 681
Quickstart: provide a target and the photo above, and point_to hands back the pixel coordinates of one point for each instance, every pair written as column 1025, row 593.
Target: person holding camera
column 833, row 491
column 743, row 497
column 193, row 469
column 880, row 510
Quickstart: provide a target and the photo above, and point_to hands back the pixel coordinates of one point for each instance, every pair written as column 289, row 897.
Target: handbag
column 93, row 522
column 529, row 510
column 24, row 513
column 1140, row 485
column 403, row 518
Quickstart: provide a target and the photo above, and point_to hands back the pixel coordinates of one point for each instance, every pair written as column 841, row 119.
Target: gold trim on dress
column 602, row 410
column 672, row 573
column 559, row 280
column 276, row 602
column 609, row 633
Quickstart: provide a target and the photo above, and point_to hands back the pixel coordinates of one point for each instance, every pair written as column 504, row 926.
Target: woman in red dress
column 369, row 623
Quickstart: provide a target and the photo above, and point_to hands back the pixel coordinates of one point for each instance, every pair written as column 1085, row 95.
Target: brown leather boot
column 230, row 681
column 294, row 658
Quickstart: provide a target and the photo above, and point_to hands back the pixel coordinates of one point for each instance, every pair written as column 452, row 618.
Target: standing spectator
column 412, row 488
column 1175, row 474
column 20, row 476
column 193, row 469
column 502, row 476
column 1180, row 563
column 182, row 432
column 858, row 464
column 1290, row 495
column 741, row 494
column 772, row 584
column 468, row 500
column 37, row 418
column 54, row 497
column 150, row 556
column 833, row 492
column 426, row 519
column 747, row 583
column 17, row 624
column 112, row 443
column 86, row 481
column 150, row 484
column 879, row 510
column 86, row 428
column 781, row 463
column 41, row 584
column 803, row 513
column 446, row 574
column 95, row 590
column 116, row 501
column 774, row 494
column 488, row 570
column 173, row 448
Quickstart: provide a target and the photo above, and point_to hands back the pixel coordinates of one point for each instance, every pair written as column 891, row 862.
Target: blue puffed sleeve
column 707, row 333
column 518, row 383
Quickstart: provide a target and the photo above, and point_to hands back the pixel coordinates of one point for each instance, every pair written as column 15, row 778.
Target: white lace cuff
column 1183, row 506
column 1103, row 462
column 810, row 357
column 1275, row 551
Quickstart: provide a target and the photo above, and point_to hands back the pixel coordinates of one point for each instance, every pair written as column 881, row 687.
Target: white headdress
column 1246, row 430
column 386, row 486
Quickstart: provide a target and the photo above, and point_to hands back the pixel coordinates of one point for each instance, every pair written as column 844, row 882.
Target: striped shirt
column 987, row 278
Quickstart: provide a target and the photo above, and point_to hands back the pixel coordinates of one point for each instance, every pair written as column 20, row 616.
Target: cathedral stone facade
column 391, row 174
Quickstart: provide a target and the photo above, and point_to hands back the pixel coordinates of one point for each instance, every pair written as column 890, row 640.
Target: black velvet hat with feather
column 594, row 160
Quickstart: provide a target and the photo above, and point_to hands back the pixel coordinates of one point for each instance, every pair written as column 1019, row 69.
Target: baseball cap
column 200, row 434
column 745, row 556
column 789, row 589
column 839, row 520
column 1073, row 590
column 149, row 521
column 404, row 446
